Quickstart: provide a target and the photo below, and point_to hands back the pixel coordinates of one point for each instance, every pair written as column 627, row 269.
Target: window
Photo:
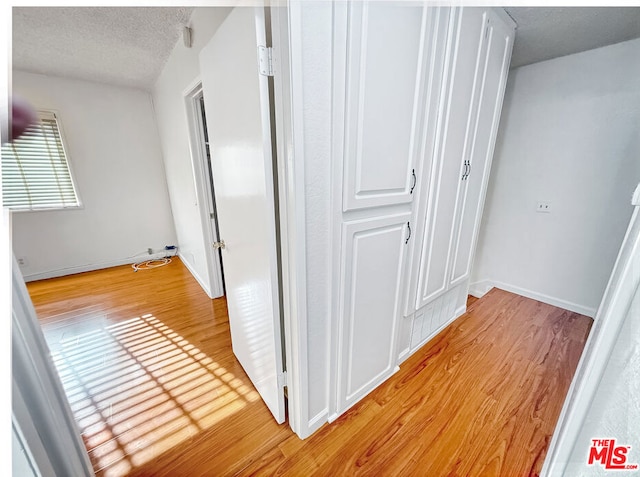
column 35, row 170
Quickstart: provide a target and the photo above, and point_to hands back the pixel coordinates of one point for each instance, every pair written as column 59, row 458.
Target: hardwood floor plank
column 146, row 361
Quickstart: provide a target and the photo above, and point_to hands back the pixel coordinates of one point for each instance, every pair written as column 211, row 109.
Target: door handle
column 219, row 245
column 408, row 236
column 467, row 170
column 415, row 180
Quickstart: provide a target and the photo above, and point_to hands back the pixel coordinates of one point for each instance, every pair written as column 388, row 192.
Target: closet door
column 374, row 251
column 464, row 72
column 385, row 54
column 496, row 58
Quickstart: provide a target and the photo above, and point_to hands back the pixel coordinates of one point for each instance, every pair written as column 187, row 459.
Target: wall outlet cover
column 543, row 206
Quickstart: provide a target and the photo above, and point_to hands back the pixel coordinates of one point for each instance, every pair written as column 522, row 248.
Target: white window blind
column 35, row 170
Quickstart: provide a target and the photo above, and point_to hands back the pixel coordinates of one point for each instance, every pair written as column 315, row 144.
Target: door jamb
column 292, row 212
column 41, row 412
column 203, row 192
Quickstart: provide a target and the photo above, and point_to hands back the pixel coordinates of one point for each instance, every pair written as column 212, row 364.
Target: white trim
column 479, row 289
column 279, row 409
column 213, row 285
column 457, row 314
column 317, row 421
column 289, row 130
column 349, row 404
column 195, row 274
column 26, row 431
column 619, row 294
column 339, row 33
column 402, row 357
column 461, row 310
column 90, row 267
column 41, row 403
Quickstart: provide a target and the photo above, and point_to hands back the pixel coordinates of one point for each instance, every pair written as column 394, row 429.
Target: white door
column 236, row 103
column 451, row 150
column 384, row 78
column 497, row 55
column 374, row 251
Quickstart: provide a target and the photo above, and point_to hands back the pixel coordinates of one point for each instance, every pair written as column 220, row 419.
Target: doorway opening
column 205, row 190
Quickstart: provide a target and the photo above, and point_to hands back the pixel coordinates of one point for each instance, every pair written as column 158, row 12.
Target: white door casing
column 237, row 108
column 203, row 191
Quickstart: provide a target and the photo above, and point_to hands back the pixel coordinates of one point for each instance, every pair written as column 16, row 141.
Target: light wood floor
column 146, row 361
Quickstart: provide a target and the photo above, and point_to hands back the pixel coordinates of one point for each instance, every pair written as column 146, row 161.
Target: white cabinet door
column 236, row 102
column 496, row 59
column 462, row 80
column 373, row 254
column 383, row 81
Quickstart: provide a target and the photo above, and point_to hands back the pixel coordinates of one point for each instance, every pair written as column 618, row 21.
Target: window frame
column 72, row 176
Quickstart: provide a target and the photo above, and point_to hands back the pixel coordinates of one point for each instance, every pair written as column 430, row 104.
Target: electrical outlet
column 544, row 207
column 22, row 261
column 150, row 251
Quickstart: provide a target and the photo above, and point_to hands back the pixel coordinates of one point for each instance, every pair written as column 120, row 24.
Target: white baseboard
column 195, row 274
column 404, row 355
column 315, row 423
column 479, row 289
column 61, row 272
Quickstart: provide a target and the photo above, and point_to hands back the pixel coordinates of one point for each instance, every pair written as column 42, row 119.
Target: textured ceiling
column 545, row 33
column 129, row 45
column 124, row 46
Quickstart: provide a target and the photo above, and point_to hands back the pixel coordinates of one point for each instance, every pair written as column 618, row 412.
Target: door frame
column 204, row 193
column 41, row 414
column 288, row 104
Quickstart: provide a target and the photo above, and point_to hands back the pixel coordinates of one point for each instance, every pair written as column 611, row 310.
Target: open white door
column 237, row 108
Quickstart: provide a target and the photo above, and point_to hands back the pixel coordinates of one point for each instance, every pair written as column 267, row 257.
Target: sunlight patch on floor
column 137, row 388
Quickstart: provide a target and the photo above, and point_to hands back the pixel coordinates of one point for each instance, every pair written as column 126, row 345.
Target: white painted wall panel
column 568, row 135
column 315, row 20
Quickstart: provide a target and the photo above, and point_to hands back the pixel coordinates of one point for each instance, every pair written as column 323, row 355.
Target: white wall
column 569, row 134
column 311, row 63
column 180, row 72
column 112, row 143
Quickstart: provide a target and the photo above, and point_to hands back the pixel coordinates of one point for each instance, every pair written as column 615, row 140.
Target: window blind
column 35, row 170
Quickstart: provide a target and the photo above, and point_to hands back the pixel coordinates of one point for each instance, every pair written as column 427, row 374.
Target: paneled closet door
column 373, row 258
column 464, row 72
column 385, row 51
column 496, row 58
